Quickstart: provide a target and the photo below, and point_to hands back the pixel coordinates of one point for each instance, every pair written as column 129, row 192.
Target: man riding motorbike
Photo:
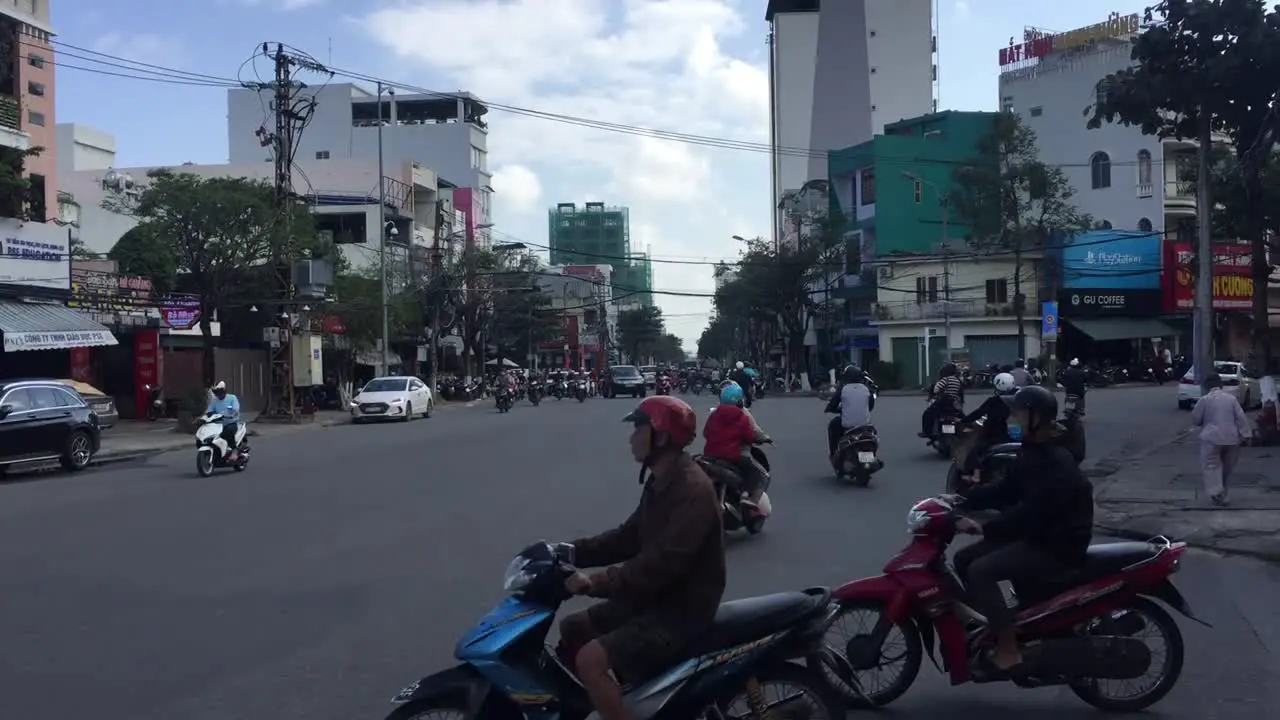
column 740, row 376
column 996, row 428
column 1021, row 376
column 1044, row 525
column 668, row 565
column 854, row 404
column 1075, row 382
column 947, row 395
column 729, row 432
column 228, row 406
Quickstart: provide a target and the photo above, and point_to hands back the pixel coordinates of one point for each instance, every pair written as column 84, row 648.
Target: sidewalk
column 1159, row 493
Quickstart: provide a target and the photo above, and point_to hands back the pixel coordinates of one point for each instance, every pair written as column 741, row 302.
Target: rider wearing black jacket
column 1045, row 521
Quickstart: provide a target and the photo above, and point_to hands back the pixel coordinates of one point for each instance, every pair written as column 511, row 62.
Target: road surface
column 346, row 561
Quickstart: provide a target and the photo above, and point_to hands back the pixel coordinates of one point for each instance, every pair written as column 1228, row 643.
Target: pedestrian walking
column 1223, row 426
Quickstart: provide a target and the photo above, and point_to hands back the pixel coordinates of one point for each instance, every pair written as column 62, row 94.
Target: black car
column 626, row 380
column 44, row 420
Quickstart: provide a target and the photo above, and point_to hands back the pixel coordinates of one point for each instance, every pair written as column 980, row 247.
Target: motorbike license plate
column 948, row 429
column 866, row 457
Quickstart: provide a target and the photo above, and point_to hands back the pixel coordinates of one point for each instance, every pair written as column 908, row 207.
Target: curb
column 1131, row 534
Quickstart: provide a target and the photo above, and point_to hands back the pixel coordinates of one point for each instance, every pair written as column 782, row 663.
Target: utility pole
column 1202, row 333
column 382, row 245
column 946, row 275
column 281, row 399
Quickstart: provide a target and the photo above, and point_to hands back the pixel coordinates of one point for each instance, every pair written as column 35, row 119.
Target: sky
column 690, row 66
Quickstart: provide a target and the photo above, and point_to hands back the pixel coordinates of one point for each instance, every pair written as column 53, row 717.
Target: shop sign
column 1112, row 259
column 18, row 341
column 180, row 313
column 1037, row 44
column 1232, row 277
column 98, row 292
column 34, row 254
column 1097, row 302
column 148, row 368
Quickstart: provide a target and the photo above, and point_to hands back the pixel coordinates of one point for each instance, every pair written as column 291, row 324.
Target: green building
column 597, row 234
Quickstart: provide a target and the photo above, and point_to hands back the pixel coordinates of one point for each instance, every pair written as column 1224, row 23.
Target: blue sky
column 691, row 66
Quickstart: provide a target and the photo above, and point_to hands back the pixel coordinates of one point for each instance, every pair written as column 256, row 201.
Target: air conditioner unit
column 885, row 272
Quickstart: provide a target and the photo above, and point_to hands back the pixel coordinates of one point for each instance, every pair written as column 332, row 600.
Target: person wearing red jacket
column 730, row 432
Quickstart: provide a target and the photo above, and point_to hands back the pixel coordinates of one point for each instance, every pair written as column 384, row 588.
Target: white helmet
column 1075, row 362
column 1005, row 383
column 739, row 365
column 221, row 385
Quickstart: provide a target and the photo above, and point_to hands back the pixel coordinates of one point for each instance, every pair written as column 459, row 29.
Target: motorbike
column 558, row 388
column 1077, row 627
column 856, row 457
column 683, row 387
column 502, row 398
column 737, row 513
column 155, row 401
column 944, row 432
column 992, row 467
column 580, row 390
column 1073, row 421
column 505, row 669
column 535, row 394
column 698, row 387
column 212, row 450
column 663, row 386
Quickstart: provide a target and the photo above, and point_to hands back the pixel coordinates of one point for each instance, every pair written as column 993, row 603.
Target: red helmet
column 669, row 415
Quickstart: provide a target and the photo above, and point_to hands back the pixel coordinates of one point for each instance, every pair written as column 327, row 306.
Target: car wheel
column 431, row 405
column 408, row 413
column 78, row 451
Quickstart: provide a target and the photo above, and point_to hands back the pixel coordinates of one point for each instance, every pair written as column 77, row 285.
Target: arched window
column 1144, row 225
column 1100, row 170
column 1144, row 167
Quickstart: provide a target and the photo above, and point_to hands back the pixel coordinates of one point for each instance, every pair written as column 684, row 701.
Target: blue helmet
column 731, row 394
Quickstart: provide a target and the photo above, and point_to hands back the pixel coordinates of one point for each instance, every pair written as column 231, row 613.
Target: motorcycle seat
column 1105, row 559
column 860, row 429
column 1004, row 448
column 741, row 621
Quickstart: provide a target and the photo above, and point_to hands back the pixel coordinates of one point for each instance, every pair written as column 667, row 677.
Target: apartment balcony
column 11, row 134
column 912, row 311
column 1179, row 199
column 1145, row 190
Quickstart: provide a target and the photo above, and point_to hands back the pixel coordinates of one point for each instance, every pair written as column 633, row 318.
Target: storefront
column 1111, row 300
column 1232, row 293
column 39, row 331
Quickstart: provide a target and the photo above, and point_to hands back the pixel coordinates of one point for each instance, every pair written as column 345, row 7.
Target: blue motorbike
column 507, row 672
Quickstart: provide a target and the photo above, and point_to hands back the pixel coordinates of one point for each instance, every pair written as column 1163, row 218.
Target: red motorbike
column 1080, row 629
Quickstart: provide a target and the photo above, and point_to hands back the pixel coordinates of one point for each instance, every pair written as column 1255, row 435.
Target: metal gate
column 985, row 349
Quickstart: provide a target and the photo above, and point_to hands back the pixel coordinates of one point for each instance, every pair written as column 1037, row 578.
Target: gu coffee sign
column 1083, row 303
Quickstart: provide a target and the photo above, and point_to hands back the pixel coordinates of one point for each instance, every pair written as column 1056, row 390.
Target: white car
column 392, row 398
column 650, row 374
column 1236, row 379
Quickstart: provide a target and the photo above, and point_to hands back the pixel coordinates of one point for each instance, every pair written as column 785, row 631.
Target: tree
column 639, row 330
column 16, row 198
column 522, row 315
column 216, row 228
column 668, row 349
column 1210, row 66
column 1013, row 202
column 718, row 341
column 143, row 253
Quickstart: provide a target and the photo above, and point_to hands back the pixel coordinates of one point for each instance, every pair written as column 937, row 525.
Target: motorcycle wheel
column 843, row 678
column 754, row 524
column 801, row 685
column 953, row 480
column 431, row 708
column 204, row 464
column 860, row 479
column 240, row 465
column 1153, row 615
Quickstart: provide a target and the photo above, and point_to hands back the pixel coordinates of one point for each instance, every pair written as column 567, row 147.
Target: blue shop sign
column 1112, row 259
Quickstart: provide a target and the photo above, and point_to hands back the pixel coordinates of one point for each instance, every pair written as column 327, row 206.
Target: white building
column 1121, row 177
column 446, row 133
column 839, row 71
column 911, row 312
column 81, row 147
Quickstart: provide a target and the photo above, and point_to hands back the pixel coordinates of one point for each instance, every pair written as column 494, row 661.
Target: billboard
column 1112, row 260
column 1232, row 277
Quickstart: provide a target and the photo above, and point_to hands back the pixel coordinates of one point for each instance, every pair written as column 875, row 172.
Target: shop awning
column 40, row 326
column 1103, row 329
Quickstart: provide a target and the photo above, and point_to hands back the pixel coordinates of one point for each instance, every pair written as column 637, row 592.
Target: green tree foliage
column 214, row 229
column 1014, row 203
column 141, row 252
column 668, row 349
column 719, row 340
column 15, row 186
column 1205, row 67
column 639, row 331
column 522, row 315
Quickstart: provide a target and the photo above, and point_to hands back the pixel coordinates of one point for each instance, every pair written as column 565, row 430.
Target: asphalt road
column 346, row 561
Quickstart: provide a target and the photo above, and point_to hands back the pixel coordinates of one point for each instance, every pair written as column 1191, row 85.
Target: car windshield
column 385, row 385
column 625, row 371
column 1226, row 368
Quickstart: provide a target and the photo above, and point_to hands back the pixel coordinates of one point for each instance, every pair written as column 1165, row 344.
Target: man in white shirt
column 854, row 403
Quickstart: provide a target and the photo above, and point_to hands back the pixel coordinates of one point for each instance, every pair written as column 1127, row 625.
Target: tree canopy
column 141, row 252
column 640, row 330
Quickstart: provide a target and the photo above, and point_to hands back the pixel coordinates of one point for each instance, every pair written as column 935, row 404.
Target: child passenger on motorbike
column 730, row 433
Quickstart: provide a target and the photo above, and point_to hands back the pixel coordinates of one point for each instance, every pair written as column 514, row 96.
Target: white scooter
column 212, row 450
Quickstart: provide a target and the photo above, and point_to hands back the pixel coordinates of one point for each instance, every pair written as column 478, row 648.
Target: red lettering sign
column 1232, row 277
column 148, row 367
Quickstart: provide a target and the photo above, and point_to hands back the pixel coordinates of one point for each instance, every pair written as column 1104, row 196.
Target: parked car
column 1236, row 379
column 650, row 373
column 101, row 403
column 397, row 397
column 43, row 420
column 626, row 380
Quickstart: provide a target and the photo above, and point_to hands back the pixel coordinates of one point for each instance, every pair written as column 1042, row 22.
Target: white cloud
column 962, row 8
column 646, row 63
column 141, row 47
column 518, row 187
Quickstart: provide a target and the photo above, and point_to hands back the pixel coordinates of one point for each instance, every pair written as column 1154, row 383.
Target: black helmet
column 852, row 374
column 947, row 370
column 1041, row 405
column 1212, row 380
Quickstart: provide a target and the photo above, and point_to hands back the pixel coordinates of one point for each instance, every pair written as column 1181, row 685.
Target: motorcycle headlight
column 517, row 577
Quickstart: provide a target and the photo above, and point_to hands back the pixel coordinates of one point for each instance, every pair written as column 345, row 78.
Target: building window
column 1144, row 167
column 867, row 186
column 919, row 191
column 935, row 73
column 478, row 158
column 1100, row 170
column 35, row 88
column 322, row 154
column 35, row 118
column 926, row 289
column 1144, row 225
column 36, row 210
column 34, row 60
column 1006, row 104
column 1036, row 111
column 997, row 291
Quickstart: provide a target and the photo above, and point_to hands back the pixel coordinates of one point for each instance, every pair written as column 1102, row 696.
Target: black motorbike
column 739, row 514
column 535, row 393
column 944, row 430
column 580, row 390
column 557, row 388
column 992, row 466
column 503, row 399
column 857, row 455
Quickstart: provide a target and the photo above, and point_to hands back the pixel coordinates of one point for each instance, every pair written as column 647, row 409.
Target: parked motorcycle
column 737, row 513
column 747, row 648
column 212, row 451
column 1078, row 628
column 857, row 455
column 155, row 401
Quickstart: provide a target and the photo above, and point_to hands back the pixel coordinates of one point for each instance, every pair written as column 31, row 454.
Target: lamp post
column 382, row 240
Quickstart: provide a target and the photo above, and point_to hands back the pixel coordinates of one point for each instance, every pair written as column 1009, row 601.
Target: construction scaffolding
column 599, row 234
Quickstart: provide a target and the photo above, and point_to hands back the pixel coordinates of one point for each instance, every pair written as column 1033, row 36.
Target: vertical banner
column 80, row 365
column 1049, row 321
column 148, row 367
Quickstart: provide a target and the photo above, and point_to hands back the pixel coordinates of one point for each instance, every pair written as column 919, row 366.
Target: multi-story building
column 27, row 100
column 599, row 234
column 839, row 71
column 581, row 295
column 889, row 195
column 444, row 132
column 1122, row 178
